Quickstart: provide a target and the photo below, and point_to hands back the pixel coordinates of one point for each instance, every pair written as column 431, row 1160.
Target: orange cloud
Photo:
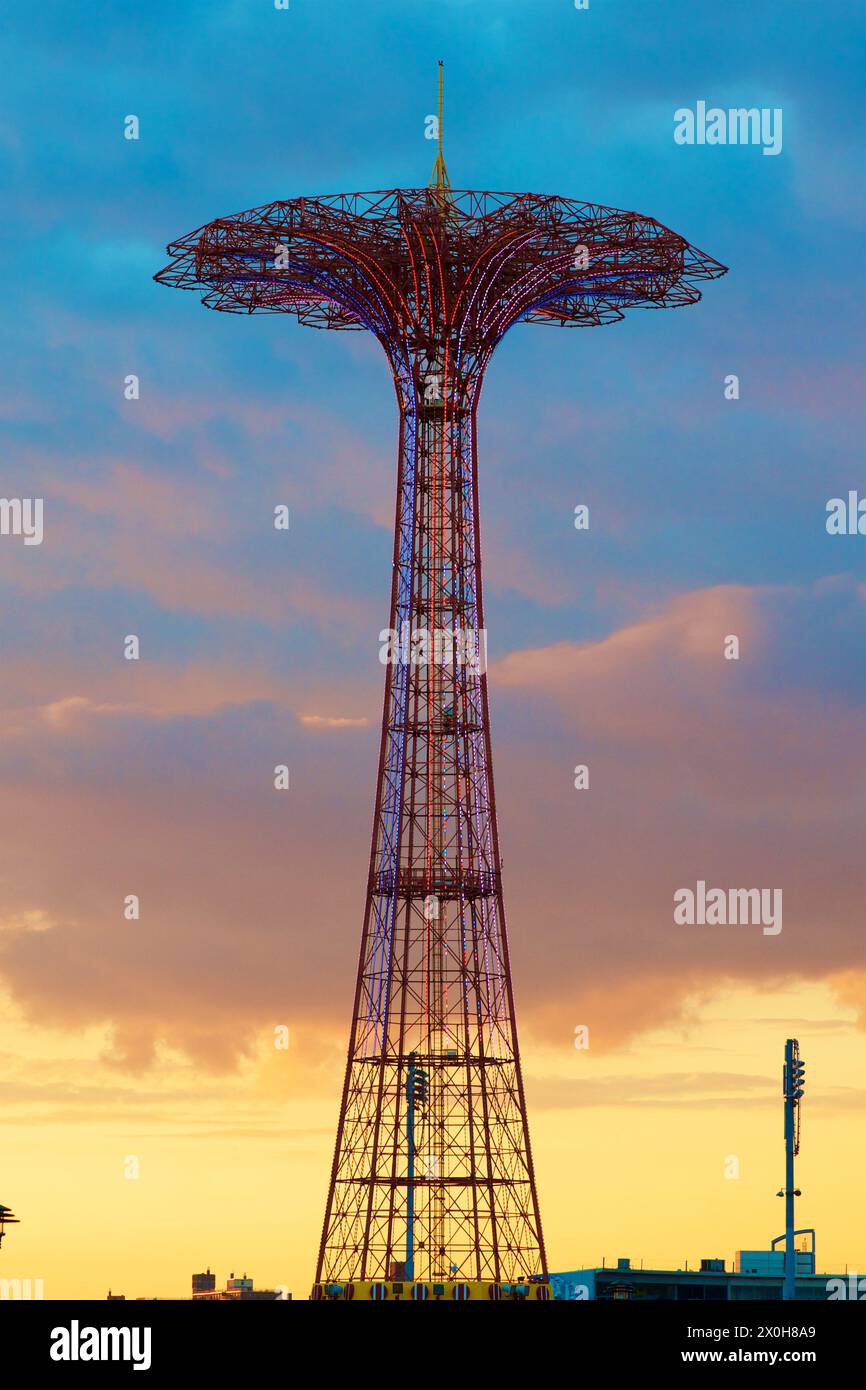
column 252, row 900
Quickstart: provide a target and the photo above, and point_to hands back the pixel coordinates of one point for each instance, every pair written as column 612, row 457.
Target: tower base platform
column 447, row 1291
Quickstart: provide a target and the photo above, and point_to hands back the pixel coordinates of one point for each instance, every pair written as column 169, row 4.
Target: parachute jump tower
column 432, row 1191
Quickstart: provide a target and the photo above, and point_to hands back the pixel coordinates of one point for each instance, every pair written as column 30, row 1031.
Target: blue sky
column 240, row 104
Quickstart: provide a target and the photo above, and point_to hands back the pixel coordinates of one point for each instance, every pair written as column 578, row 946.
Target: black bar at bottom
column 254, row 1340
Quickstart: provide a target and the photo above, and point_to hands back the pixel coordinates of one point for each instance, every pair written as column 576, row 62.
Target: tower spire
column 439, row 178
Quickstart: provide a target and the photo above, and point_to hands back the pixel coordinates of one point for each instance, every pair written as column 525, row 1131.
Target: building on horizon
column 204, row 1287
column 757, row 1275
column 242, row 1288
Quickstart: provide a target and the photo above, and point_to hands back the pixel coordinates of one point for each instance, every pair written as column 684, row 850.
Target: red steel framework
column 432, row 1175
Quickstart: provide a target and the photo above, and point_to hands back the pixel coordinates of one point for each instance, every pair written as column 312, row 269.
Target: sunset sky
column 154, row 1039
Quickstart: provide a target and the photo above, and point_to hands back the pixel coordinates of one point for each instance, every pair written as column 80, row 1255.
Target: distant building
column 772, row 1262
column 237, row 1288
column 204, row 1286
column 758, row 1275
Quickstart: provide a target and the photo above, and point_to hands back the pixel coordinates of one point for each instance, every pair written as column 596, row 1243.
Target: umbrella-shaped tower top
column 417, row 268
column 437, row 268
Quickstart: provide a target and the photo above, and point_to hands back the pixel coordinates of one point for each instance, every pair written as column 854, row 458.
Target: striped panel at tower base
column 366, row 1290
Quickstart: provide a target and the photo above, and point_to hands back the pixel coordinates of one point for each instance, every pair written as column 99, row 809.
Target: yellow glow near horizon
column 630, row 1148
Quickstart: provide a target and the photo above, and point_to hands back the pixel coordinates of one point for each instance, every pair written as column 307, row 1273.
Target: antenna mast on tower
column 439, row 178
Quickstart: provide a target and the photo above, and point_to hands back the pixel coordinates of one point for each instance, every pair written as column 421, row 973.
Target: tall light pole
column 793, row 1084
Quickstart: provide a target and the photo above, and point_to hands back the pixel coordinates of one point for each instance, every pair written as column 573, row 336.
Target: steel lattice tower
column 432, row 1172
